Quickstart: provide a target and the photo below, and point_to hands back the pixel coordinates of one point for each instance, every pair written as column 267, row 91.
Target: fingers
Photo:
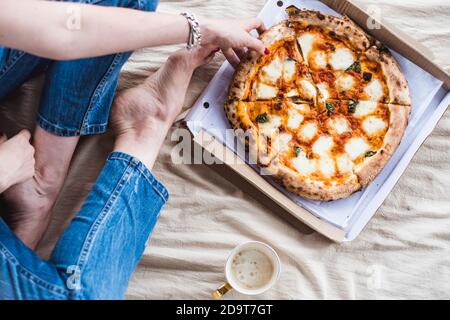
column 231, row 56
column 257, row 24
column 256, row 45
column 22, row 140
column 24, row 134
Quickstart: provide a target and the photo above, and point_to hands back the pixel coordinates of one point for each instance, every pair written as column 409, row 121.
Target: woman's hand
column 232, row 36
column 16, row 159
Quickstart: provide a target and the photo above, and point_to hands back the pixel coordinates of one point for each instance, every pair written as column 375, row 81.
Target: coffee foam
column 252, row 269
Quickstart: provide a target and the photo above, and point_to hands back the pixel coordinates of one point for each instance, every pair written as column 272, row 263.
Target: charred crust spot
column 320, row 16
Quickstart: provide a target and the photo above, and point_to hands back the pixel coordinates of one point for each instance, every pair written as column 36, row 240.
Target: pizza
column 325, row 109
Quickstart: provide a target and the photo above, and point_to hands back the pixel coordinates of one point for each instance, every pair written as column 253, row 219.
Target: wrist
column 208, row 34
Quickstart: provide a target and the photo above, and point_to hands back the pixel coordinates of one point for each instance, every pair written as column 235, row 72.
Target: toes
column 196, row 57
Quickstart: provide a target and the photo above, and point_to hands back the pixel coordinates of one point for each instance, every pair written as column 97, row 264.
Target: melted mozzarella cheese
column 303, row 164
column 289, row 69
column 373, row 124
column 306, row 41
column 281, row 143
column 323, row 146
column 345, row 82
column 344, row 164
column 272, row 72
column 356, row 147
column 320, row 59
column 341, row 59
column 308, row 131
column 327, row 167
column 264, row 91
column 374, row 90
column 323, row 89
column 270, row 127
column 301, row 107
column 294, row 119
column 339, row 125
column 307, row 89
column 291, row 93
column 364, row 108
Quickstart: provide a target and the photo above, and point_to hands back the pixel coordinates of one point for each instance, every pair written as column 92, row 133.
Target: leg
column 16, row 67
column 99, row 251
column 76, row 101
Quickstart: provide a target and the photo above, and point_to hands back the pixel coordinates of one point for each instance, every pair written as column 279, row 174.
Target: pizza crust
column 371, row 167
column 342, row 27
column 395, row 80
column 314, row 189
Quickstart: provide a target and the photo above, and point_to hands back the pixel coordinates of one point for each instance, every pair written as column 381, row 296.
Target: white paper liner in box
column 429, row 101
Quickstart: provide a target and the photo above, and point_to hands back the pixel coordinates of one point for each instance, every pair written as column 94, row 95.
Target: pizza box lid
column 340, row 220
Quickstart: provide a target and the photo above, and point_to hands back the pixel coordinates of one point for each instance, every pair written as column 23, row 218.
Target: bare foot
column 141, row 116
column 27, row 205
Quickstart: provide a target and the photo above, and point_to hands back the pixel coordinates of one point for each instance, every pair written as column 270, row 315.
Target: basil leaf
column 352, row 106
column 262, row 118
column 370, row 154
column 297, row 150
column 356, row 66
column 330, row 108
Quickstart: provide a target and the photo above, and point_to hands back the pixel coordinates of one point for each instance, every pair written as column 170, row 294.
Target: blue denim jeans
column 77, row 95
column 97, row 254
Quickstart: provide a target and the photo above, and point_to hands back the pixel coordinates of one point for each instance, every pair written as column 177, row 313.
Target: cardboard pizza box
column 340, row 220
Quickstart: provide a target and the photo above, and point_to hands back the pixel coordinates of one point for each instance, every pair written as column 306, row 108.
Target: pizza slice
column 282, row 74
column 343, row 62
column 270, row 125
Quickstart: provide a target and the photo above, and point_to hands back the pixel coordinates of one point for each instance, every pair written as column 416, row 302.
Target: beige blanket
column 402, row 253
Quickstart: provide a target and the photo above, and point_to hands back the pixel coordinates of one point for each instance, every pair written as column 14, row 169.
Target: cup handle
column 222, row 290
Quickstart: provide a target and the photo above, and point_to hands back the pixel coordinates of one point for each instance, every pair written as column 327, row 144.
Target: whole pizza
column 325, row 109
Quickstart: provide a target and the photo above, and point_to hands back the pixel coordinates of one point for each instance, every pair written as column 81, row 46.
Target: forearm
column 61, row 30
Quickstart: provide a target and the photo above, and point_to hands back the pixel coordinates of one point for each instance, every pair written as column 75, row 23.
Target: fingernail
column 266, row 51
